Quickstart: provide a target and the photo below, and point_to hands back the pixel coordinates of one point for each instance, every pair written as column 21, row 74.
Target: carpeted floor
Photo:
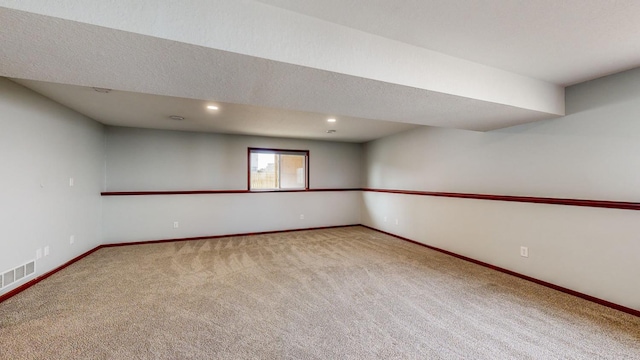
column 345, row 293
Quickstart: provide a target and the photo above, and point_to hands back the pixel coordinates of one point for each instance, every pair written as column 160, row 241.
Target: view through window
column 271, row 169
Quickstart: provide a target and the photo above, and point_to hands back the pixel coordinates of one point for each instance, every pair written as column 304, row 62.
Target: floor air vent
column 17, row 274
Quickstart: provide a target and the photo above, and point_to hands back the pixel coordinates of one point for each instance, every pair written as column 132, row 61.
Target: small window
column 271, row 169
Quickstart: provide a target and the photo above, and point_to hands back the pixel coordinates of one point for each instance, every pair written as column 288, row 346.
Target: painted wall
column 145, row 160
column 589, row 154
column 42, row 145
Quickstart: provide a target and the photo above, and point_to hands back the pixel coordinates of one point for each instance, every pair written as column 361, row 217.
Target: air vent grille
column 19, row 273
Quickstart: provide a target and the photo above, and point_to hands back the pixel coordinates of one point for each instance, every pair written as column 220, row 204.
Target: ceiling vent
column 102, row 90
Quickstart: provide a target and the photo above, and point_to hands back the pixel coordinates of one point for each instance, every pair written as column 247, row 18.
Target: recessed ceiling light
column 102, row 90
column 331, row 131
column 176, row 117
column 212, row 107
column 331, row 120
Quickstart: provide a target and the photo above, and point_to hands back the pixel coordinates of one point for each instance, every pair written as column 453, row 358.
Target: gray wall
column 42, row 145
column 144, row 160
column 589, row 154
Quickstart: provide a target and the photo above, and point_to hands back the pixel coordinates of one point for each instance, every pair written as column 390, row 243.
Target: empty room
column 281, row 179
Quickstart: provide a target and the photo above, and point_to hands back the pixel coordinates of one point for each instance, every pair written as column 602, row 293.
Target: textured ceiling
column 562, row 42
column 122, row 108
column 278, row 66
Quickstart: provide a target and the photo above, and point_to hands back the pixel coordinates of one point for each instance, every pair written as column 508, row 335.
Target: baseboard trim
column 32, row 282
column 521, row 276
column 593, row 299
column 221, row 236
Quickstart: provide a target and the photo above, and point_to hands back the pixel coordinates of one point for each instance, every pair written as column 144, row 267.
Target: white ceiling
column 281, row 67
column 560, row 41
column 122, row 108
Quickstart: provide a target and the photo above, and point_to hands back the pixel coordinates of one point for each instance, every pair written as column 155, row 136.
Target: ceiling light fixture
column 102, row 90
column 212, row 107
column 176, row 117
column 331, row 131
column 331, row 120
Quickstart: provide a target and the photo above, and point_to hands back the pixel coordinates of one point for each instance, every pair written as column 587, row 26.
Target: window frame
column 251, row 150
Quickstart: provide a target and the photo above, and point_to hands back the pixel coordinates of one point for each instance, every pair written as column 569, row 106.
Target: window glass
column 277, row 169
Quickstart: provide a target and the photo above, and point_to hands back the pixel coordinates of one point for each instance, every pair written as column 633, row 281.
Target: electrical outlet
column 524, row 251
column 176, row 224
column 385, row 219
column 39, row 253
column 301, row 216
column 397, row 222
column 72, row 239
column 46, row 250
column 71, row 182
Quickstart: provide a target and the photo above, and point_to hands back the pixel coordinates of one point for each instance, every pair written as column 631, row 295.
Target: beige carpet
column 346, row 293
